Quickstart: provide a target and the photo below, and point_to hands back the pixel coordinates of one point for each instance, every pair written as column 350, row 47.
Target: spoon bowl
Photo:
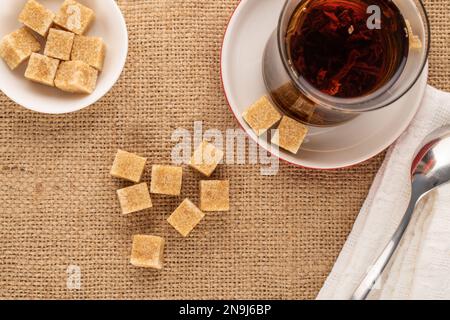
column 431, row 165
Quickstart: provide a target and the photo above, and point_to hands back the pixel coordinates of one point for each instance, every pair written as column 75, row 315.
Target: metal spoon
column 430, row 170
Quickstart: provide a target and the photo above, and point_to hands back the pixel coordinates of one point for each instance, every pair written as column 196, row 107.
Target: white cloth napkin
column 420, row 269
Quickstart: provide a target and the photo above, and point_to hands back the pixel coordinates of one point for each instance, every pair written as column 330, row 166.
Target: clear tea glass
column 297, row 98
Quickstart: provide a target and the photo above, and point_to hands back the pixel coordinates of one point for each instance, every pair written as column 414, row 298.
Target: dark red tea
column 332, row 46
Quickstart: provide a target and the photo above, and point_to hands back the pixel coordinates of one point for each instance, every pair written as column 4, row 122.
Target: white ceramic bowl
column 109, row 24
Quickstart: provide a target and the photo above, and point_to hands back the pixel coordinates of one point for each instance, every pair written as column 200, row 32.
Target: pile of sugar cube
column 147, row 250
column 70, row 61
column 263, row 115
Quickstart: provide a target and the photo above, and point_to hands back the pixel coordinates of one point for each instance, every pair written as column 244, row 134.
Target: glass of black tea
column 331, row 60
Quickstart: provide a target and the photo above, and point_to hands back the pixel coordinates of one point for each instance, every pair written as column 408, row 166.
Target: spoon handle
column 380, row 264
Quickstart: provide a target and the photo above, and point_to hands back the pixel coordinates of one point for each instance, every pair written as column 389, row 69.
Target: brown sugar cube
column 128, row 166
column 304, row 108
column 135, row 198
column 215, row 195
column 147, row 252
column 287, row 94
column 290, row 135
column 91, row 50
column 261, row 116
column 414, row 40
column 76, row 77
column 59, row 44
column 74, row 16
column 166, row 180
column 186, row 217
column 36, row 17
column 206, row 158
column 294, row 102
column 18, row 46
column 42, row 69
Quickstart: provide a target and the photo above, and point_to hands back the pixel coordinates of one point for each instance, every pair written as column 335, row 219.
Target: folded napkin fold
column 420, row 269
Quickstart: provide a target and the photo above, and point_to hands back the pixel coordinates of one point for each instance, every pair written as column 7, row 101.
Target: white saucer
column 325, row 148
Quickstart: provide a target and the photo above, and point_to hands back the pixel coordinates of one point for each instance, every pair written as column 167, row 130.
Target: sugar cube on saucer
column 305, row 108
column 90, row 50
column 290, row 135
column 291, row 98
column 261, row 116
column 74, row 16
column 59, row 44
column 215, row 195
column 414, row 40
column 18, row 46
column 128, row 166
column 166, row 180
column 287, row 93
column 147, row 252
column 206, row 158
column 36, row 17
column 76, row 77
column 135, row 198
column 42, row 69
column 186, row 217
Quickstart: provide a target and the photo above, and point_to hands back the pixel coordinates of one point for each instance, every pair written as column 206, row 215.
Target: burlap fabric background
column 58, row 205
